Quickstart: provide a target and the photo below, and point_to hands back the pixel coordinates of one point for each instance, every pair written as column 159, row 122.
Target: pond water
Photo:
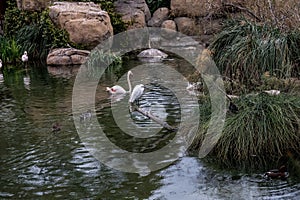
column 38, row 163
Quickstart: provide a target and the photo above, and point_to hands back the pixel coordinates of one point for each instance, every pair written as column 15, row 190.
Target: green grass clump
column 262, row 132
column 10, row 50
column 244, row 50
column 98, row 60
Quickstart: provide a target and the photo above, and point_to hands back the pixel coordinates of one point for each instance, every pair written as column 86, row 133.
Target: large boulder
column 186, row 25
column 33, row 5
column 67, row 56
column 188, row 7
column 158, row 17
column 86, row 23
column 170, row 29
column 134, row 13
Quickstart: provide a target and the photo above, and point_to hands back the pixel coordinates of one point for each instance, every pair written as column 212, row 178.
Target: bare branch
column 242, row 9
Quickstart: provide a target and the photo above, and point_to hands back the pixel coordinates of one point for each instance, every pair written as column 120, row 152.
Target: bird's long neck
column 129, row 83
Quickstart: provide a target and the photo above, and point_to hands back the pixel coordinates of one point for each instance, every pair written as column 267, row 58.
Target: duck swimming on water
column 280, row 173
column 56, row 127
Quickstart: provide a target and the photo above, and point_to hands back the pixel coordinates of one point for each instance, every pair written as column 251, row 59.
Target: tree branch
column 154, row 118
column 242, row 9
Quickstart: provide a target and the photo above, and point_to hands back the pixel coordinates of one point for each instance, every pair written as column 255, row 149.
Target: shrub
column 263, row 131
column 245, row 50
column 98, row 59
column 37, row 39
column 33, row 31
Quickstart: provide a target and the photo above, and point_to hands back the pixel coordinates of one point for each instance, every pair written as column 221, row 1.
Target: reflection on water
column 36, row 163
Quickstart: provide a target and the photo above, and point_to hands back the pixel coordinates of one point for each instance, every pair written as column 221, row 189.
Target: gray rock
column 67, row 56
column 186, row 25
column 170, row 29
column 160, row 15
column 134, row 13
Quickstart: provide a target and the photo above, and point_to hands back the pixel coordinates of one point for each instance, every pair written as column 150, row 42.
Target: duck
column 56, row 127
column 280, row 173
column 85, row 116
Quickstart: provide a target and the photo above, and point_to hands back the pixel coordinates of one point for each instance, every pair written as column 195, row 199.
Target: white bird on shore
column 1, row 75
column 25, row 57
column 117, row 90
column 272, row 92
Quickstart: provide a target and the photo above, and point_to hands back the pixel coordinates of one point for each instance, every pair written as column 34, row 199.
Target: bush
column 263, row 131
column 97, row 61
column 245, row 50
column 37, row 39
column 33, row 31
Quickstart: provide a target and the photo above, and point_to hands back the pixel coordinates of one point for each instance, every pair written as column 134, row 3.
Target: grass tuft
column 245, row 50
column 262, row 132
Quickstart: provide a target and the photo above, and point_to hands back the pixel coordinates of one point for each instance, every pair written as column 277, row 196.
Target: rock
column 67, row 56
column 134, row 13
column 170, row 25
column 185, row 25
column 86, row 23
column 159, row 16
column 188, row 7
column 33, row 5
column 152, row 55
column 63, row 71
column 181, row 42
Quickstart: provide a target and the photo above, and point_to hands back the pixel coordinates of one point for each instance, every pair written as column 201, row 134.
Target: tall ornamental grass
column 263, row 131
column 245, row 50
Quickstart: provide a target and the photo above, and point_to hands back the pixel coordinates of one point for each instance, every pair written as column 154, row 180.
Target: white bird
column 25, row 57
column 272, row 92
column 117, row 90
column 191, row 86
column 136, row 93
column 1, row 75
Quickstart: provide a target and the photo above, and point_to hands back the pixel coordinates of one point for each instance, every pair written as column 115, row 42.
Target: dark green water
column 39, row 164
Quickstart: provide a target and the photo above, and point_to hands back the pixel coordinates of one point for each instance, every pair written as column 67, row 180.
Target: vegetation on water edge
column 10, row 50
column 245, row 50
column 35, row 32
column 263, row 131
column 98, row 61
